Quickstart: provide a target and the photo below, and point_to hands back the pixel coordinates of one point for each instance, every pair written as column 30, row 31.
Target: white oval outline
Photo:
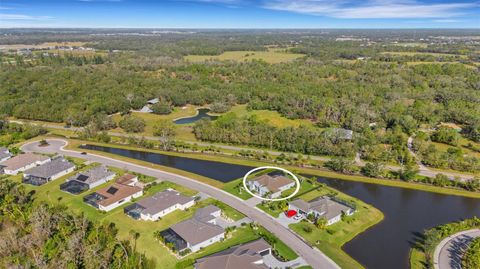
column 271, row 167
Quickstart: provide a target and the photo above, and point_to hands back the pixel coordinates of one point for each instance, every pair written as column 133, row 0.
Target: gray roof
column 324, row 206
column 205, row 213
column 163, row 200
column 92, row 175
column 238, row 257
column 51, row 168
column 196, row 230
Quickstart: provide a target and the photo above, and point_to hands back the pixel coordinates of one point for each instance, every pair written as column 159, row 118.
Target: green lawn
column 272, row 56
column 236, row 188
column 272, row 117
column 146, row 243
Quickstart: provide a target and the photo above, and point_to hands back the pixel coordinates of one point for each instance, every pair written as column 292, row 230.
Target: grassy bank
column 254, row 163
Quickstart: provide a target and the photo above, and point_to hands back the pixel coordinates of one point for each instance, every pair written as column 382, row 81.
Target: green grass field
column 272, row 117
column 272, row 56
column 146, row 243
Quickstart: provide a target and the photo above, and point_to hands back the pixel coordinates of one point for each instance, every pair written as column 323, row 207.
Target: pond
column 201, row 113
column 386, row 245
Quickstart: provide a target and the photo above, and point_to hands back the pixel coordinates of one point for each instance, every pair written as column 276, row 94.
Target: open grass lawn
column 235, row 187
column 417, row 259
column 331, row 239
column 272, row 117
column 183, row 132
column 272, row 56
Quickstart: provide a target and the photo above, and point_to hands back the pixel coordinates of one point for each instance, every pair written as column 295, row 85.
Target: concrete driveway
column 311, row 255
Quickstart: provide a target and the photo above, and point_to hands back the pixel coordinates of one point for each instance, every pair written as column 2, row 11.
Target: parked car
column 83, row 153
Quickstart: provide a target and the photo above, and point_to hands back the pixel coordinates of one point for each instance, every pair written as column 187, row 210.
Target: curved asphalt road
column 448, row 254
column 311, row 255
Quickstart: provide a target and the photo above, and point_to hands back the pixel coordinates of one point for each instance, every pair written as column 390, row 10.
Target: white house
column 48, row 171
column 22, row 162
column 113, row 196
column 322, row 207
column 89, row 179
column 159, row 205
column 273, row 186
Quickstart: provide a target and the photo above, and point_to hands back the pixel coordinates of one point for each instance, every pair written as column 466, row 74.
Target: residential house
column 49, row 171
column 159, row 205
column 128, row 179
column 197, row 232
column 115, row 195
column 246, row 256
column 87, row 180
column 22, row 162
column 322, row 207
column 272, row 186
column 4, row 154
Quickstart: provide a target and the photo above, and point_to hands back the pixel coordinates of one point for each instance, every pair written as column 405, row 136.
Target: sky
column 240, row 13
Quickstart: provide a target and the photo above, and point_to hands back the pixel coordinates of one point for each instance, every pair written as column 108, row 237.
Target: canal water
column 202, row 113
column 386, row 245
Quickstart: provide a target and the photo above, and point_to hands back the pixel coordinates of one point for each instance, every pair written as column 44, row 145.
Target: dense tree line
column 37, row 235
column 250, row 131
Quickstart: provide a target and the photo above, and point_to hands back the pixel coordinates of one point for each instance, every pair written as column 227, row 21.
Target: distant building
column 197, row 232
column 153, row 101
column 87, row 180
column 246, row 256
column 22, row 162
column 272, row 185
column 340, row 133
column 4, row 154
column 49, row 171
column 322, row 207
column 113, row 196
column 146, row 109
column 159, row 205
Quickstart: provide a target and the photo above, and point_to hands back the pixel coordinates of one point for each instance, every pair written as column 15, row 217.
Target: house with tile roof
column 322, row 207
column 271, row 186
column 159, row 205
column 49, row 171
column 22, row 162
column 86, row 180
column 197, row 232
column 113, row 196
column 246, row 256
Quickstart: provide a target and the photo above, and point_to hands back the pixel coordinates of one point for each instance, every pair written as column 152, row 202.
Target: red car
column 291, row 213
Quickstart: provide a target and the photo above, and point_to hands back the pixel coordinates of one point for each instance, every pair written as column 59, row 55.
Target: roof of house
column 126, row 179
column 116, row 192
column 50, row 169
column 273, row 183
column 197, row 229
column 163, row 200
column 23, row 160
column 243, row 256
column 93, row 175
column 323, row 205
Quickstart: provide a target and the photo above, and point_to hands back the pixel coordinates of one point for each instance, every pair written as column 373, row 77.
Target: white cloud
column 23, row 17
column 371, row 9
